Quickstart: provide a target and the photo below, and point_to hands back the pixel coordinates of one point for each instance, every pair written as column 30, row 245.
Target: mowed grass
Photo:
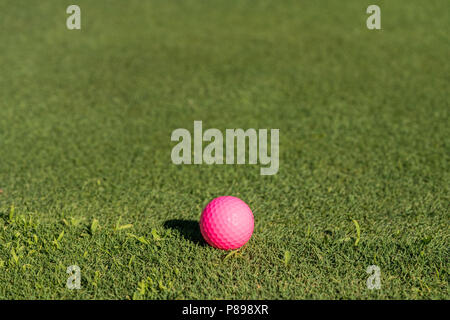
column 86, row 174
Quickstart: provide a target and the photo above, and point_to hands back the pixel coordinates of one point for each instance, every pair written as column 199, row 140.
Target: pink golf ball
column 227, row 223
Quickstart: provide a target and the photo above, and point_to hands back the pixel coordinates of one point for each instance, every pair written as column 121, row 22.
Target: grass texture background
column 86, row 174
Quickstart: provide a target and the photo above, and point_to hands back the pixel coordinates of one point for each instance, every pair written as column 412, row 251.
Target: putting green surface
column 87, row 179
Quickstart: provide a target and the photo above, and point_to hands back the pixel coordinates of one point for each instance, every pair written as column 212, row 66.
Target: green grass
column 85, row 124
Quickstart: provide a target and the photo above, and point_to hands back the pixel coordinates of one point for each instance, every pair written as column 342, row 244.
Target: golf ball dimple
column 227, row 223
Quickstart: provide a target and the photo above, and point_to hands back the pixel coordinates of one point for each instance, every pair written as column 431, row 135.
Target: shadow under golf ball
column 189, row 229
